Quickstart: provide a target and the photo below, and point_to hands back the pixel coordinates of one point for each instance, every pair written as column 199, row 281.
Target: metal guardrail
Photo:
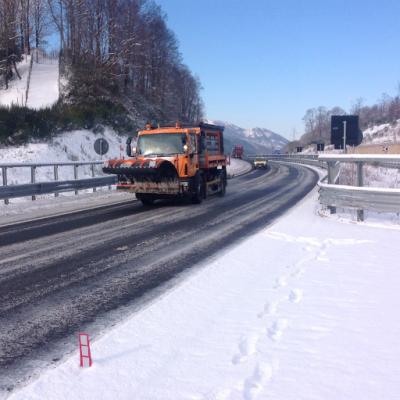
column 358, row 197
column 33, row 189
column 331, row 194
column 308, row 159
column 36, row 188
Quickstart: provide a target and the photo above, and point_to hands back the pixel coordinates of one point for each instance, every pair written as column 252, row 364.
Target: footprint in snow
column 280, row 282
column 247, row 347
column 298, row 272
column 223, row 394
column 269, row 309
column 295, row 295
column 308, row 249
column 253, row 385
column 276, row 330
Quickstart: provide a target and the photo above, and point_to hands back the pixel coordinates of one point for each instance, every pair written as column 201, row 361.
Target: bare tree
column 9, row 48
column 40, row 21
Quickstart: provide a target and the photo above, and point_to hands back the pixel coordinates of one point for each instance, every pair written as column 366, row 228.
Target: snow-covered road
column 82, row 270
column 305, row 309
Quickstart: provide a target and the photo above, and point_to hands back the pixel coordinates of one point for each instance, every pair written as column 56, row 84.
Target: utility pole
column 344, row 136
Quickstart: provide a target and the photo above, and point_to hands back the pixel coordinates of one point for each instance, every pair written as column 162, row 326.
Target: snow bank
column 238, row 167
column 19, row 211
column 306, row 309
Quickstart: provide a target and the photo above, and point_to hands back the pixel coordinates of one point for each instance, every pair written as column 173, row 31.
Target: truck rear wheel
column 198, row 193
column 222, row 184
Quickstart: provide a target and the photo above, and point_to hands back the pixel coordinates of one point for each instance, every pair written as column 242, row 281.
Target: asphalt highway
column 60, row 275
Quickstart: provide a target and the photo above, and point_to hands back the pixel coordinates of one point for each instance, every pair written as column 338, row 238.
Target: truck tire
column 146, row 199
column 222, row 184
column 198, row 190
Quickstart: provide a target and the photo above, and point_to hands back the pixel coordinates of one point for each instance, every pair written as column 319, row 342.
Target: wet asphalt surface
column 62, row 274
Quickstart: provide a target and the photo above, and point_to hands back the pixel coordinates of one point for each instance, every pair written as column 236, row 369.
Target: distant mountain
column 254, row 140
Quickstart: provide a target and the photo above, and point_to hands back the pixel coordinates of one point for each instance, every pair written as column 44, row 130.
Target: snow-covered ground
column 20, row 210
column 382, row 134
column 373, row 176
column 16, row 92
column 305, row 309
column 44, row 88
column 66, row 147
column 238, row 167
column 43, row 85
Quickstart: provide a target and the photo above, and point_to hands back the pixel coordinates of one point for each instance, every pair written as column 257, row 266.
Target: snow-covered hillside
column 265, row 137
column 16, row 92
column 36, row 89
column 44, row 89
column 69, row 146
column 382, row 134
column 254, row 140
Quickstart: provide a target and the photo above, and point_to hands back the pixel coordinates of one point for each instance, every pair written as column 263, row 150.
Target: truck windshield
column 161, row 144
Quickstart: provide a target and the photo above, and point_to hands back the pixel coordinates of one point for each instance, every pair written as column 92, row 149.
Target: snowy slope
column 43, row 85
column 266, row 137
column 16, row 92
column 69, row 146
column 306, row 309
column 43, row 90
column 382, row 134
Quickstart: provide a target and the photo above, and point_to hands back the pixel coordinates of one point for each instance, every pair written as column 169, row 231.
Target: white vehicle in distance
column 260, row 163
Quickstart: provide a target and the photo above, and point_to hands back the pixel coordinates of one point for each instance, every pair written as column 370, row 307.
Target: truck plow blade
column 165, row 187
column 142, row 171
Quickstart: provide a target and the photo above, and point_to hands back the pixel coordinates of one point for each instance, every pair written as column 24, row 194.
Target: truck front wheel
column 146, row 199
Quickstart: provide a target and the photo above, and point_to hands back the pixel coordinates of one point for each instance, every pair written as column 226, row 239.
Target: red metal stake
column 84, row 350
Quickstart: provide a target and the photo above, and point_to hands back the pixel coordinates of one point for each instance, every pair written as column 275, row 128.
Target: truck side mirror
column 130, row 151
column 128, row 147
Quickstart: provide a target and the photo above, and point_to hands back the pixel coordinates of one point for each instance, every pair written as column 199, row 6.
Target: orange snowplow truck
column 169, row 162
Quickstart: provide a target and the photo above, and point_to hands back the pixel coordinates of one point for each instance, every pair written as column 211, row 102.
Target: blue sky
column 263, row 63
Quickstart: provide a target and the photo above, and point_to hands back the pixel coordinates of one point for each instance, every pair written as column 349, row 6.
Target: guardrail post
column 331, row 180
column 360, row 182
column 76, row 175
column 4, row 175
column 33, row 178
column 56, row 177
column 92, row 168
